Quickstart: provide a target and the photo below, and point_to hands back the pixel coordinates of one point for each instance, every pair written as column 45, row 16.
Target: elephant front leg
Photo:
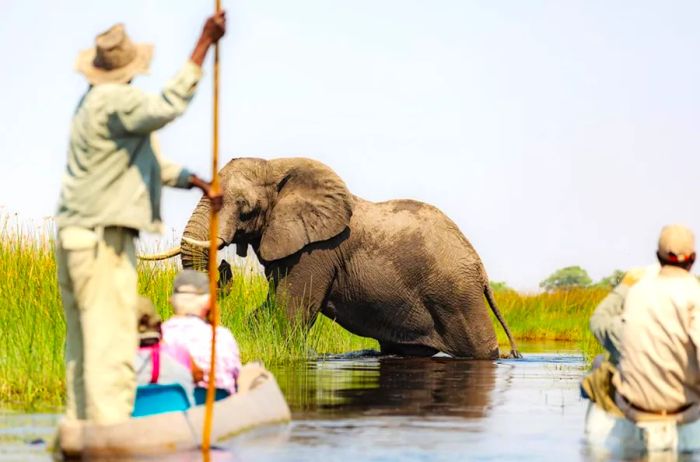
column 301, row 297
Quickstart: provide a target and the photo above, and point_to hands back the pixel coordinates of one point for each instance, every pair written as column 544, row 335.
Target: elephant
column 398, row 271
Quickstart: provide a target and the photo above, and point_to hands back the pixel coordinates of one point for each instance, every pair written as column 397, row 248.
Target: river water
column 368, row 408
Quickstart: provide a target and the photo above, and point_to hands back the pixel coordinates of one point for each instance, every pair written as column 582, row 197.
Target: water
column 351, row 408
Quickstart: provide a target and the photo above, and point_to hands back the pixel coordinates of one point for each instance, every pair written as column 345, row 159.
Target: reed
column 32, row 329
column 556, row 316
column 31, row 318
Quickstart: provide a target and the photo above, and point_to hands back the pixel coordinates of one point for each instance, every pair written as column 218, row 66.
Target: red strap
column 155, row 362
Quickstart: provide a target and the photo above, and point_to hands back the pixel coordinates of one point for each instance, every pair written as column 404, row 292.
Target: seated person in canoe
column 189, row 328
column 158, row 362
column 656, row 375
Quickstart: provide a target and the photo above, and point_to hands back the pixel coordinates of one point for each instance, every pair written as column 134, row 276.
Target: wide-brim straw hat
column 115, row 58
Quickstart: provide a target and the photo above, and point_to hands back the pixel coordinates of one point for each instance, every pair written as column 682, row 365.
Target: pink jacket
column 194, row 334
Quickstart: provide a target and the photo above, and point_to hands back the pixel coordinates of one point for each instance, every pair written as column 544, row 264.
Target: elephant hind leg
column 478, row 341
column 406, row 349
column 488, row 352
column 464, row 326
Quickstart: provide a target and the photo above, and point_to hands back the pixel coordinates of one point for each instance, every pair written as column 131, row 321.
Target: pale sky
column 553, row 133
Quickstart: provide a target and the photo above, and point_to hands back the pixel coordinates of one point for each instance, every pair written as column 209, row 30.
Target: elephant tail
column 514, row 353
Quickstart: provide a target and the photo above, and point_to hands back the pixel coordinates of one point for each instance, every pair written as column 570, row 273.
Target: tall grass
column 259, row 325
column 32, row 329
column 31, row 318
column 559, row 315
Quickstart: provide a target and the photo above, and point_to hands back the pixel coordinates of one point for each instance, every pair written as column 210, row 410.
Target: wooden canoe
column 609, row 435
column 258, row 402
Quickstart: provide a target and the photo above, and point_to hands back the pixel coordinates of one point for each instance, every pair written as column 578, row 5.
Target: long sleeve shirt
column 194, row 334
column 114, row 172
column 606, row 321
column 660, row 342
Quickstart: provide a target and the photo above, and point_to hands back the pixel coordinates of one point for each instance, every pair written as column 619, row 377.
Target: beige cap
column 115, row 58
column 676, row 243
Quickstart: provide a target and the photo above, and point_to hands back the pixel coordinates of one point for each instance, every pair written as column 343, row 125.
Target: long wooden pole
column 213, row 241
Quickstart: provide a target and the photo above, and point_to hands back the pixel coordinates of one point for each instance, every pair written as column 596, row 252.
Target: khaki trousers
column 97, row 278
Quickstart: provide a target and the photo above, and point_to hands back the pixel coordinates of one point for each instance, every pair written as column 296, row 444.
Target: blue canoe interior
column 161, row 398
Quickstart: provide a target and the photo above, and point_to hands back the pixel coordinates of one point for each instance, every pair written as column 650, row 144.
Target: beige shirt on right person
column 658, row 369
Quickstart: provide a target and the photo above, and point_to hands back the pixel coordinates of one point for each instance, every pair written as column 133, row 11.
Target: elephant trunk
column 197, row 229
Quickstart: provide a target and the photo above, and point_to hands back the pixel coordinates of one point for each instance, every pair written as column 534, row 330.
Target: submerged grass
column 32, row 329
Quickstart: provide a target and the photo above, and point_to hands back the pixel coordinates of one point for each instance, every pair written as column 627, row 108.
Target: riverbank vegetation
column 32, row 330
column 551, row 316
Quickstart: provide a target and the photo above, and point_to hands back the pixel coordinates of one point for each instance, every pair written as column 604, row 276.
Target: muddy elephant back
column 415, row 228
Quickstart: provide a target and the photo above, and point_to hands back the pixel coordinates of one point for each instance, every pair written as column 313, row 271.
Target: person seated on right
column 659, row 368
column 190, row 329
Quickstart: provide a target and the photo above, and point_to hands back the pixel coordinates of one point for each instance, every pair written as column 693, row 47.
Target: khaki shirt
column 114, row 171
column 606, row 321
column 658, row 369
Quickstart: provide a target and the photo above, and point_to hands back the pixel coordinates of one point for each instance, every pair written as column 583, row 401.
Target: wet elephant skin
column 398, row 271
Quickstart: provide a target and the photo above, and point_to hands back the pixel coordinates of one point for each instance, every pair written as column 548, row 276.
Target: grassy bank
column 32, row 331
column 557, row 316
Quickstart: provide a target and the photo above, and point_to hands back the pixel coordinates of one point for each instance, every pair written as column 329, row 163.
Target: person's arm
column 694, row 321
column 140, row 113
column 217, row 199
column 197, row 372
column 606, row 321
column 233, row 355
column 214, row 29
column 176, row 176
column 171, row 173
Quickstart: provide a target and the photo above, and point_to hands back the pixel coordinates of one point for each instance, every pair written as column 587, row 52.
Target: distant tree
column 566, row 278
column 500, row 286
column 611, row 281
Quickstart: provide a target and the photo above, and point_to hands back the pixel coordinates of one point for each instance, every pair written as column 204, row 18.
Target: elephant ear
column 313, row 204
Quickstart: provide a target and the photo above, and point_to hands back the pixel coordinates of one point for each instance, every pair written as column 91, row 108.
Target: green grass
column 32, row 330
column 557, row 316
column 31, row 318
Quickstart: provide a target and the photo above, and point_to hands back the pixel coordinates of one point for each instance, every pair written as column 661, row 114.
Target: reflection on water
column 388, row 386
column 387, row 408
column 23, row 436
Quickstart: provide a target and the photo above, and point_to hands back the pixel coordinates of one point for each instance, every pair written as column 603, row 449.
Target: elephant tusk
column 202, row 244
column 160, row 256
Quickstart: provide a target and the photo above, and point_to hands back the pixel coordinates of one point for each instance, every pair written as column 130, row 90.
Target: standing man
column 110, row 191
